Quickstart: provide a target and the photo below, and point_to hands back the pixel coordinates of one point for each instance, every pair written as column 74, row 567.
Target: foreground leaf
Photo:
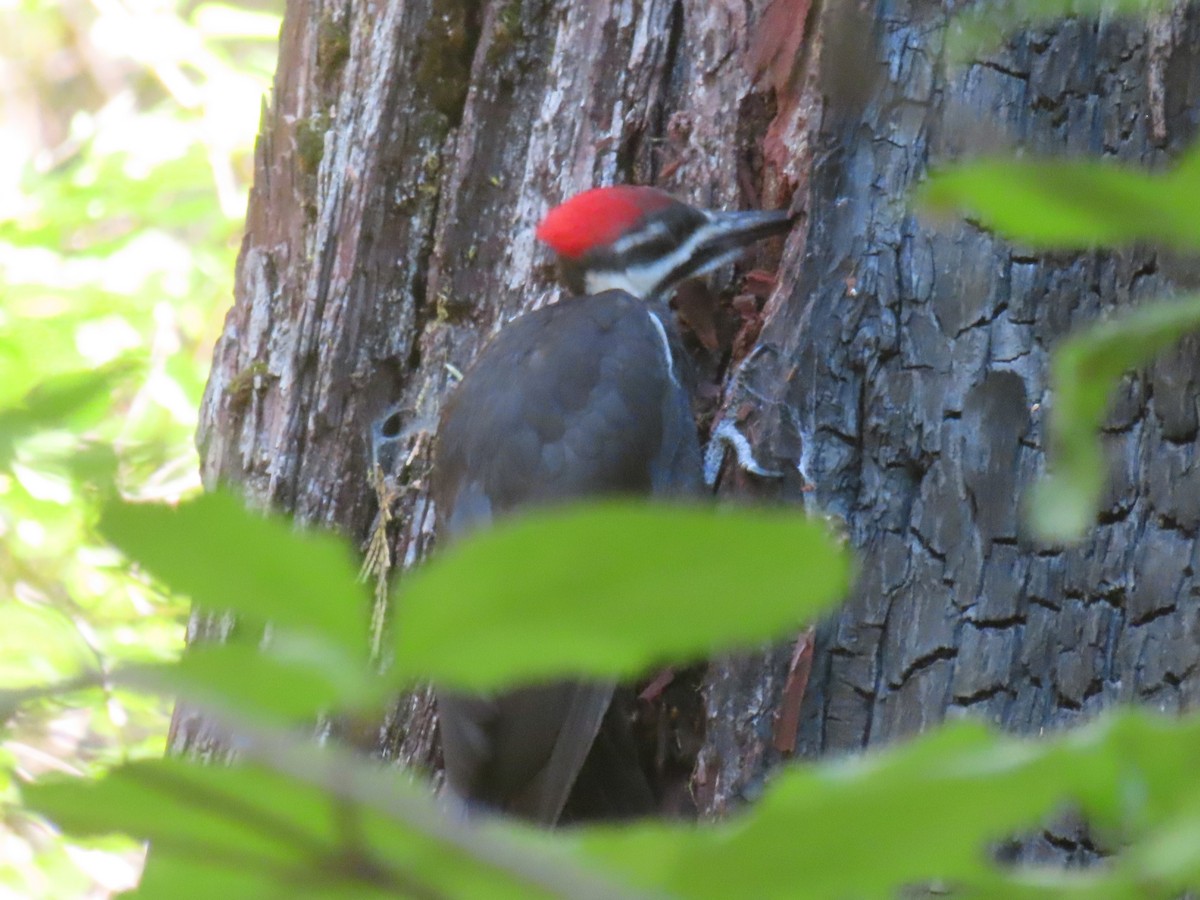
column 1086, row 370
column 1060, row 204
column 292, row 679
column 227, row 558
column 612, row 589
column 312, row 823
column 859, row 828
column 927, row 811
column 75, row 399
column 982, row 27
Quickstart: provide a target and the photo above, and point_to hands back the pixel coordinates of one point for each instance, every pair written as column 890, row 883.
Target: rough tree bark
column 899, row 378
column 908, row 362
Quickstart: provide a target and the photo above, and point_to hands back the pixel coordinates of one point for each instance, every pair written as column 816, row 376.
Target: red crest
column 598, row 217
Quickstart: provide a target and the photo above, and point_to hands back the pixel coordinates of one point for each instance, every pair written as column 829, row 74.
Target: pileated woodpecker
column 587, row 397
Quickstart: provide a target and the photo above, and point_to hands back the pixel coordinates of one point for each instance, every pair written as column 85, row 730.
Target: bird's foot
column 726, row 436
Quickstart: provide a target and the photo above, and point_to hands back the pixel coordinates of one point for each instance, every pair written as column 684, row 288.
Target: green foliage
column 1061, row 204
column 324, row 822
column 925, row 811
column 645, row 583
column 1087, row 369
column 113, row 259
column 226, row 559
column 290, row 679
column 473, row 617
column 1077, row 204
column 248, row 831
column 327, row 822
column 982, row 26
column 125, row 138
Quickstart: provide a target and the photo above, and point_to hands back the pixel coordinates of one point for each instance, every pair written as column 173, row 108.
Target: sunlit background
column 126, row 136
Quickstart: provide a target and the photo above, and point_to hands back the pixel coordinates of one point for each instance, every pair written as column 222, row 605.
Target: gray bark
column 900, row 377
column 914, row 360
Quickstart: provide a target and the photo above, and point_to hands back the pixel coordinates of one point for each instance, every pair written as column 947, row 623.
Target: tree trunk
column 908, row 361
column 900, row 375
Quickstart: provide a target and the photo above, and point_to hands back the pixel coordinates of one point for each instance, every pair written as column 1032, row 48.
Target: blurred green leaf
column 926, row 810
column 351, row 829
column 226, row 558
column 1086, row 369
column 37, row 645
column 74, row 394
column 982, row 27
column 1060, row 204
column 1167, row 858
column 241, row 822
column 72, row 399
column 80, row 211
column 127, row 160
column 1149, row 803
column 611, row 589
column 858, row 828
column 95, row 464
column 293, row 679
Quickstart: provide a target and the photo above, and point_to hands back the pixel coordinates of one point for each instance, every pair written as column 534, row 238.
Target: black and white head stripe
column 671, row 245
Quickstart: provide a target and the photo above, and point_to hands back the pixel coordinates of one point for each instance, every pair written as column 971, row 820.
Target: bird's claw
column 726, row 435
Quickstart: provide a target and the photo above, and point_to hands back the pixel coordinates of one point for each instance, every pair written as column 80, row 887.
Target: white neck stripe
column 666, row 343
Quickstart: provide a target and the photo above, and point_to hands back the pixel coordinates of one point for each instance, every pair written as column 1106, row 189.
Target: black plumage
column 585, row 398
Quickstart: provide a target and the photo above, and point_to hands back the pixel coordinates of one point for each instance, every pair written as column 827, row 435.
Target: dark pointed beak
column 725, row 236
column 735, row 230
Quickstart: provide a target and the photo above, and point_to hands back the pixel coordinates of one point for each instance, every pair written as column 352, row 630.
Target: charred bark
column 907, row 361
column 900, row 374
